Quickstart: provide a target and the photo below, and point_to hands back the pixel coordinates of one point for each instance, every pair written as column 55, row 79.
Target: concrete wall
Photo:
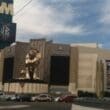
column 87, row 69
column 60, row 50
column 25, row 88
column 73, row 70
column 83, row 69
column 47, row 61
column 9, row 51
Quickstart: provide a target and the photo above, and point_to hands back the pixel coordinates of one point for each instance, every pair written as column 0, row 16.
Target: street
column 43, row 106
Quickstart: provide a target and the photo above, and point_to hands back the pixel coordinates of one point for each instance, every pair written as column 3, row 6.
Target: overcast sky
column 65, row 21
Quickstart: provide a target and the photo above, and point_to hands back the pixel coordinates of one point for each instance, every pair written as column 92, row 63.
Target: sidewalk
column 78, row 107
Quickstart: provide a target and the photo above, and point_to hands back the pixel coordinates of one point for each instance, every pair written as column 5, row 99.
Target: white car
column 42, row 98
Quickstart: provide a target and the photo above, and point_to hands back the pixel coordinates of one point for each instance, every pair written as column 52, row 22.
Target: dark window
column 8, row 69
column 59, row 70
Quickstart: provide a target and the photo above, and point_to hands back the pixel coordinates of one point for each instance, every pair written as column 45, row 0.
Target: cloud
column 105, row 13
column 46, row 19
column 105, row 19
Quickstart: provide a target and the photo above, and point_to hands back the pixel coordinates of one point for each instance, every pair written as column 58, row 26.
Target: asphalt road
column 34, row 106
column 44, row 106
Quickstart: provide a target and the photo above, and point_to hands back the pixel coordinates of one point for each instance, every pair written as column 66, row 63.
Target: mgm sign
column 6, row 11
column 7, row 28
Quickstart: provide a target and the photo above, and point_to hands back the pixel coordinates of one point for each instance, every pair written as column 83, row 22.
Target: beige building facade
column 12, row 61
column 62, row 68
column 87, row 66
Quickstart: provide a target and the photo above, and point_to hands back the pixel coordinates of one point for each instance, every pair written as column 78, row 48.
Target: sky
column 64, row 21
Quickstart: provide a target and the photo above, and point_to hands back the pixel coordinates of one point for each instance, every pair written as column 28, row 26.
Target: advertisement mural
column 7, row 34
column 32, row 62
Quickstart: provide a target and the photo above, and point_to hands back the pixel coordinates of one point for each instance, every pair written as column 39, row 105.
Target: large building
column 62, row 68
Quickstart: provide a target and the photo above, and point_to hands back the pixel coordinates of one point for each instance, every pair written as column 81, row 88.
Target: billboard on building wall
column 6, row 10
column 7, row 34
column 33, row 61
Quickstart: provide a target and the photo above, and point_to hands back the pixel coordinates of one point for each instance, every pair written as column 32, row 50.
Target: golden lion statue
column 32, row 62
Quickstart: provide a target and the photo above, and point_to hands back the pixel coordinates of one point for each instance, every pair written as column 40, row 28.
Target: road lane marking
column 14, row 106
column 78, row 107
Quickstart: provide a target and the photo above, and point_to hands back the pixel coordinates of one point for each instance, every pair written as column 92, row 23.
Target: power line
column 16, row 18
column 20, row 4
column 22, row 8
column 20, row 16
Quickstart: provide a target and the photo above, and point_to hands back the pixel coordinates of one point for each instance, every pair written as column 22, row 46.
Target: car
column 106, row 99
column 2, row 93
column 23, row 98
column 11, row 97
column 67, row 98
column 8, row 97
column 42, row 98
column 3, row 97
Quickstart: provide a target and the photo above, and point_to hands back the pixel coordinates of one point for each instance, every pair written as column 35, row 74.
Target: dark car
column 2, row 93
column 67, row 98
column 4, row 97
column 11, row 97
column 42, row 98
column 23, row 97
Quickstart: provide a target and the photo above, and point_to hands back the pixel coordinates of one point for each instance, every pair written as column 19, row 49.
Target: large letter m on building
column 6, row 8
